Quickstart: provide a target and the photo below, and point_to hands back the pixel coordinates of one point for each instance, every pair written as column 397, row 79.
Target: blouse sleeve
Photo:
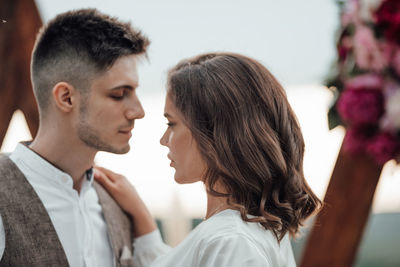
column 147, row 248
column 232, row 251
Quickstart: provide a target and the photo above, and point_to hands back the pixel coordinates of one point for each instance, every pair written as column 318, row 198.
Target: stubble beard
column 91, row 137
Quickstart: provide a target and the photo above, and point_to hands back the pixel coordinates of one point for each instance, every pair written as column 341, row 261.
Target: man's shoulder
column 4, row 157
column 5, row 160
column 9, row 168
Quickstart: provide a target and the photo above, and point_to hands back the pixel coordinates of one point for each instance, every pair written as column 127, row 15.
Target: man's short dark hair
column 76, row 46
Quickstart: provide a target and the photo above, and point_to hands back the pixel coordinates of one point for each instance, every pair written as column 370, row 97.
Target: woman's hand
column 127, row 197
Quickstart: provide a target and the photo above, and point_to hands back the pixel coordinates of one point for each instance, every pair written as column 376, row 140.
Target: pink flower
column 383, row 147
column 361, row 106
column 366, row 50
column 365, row 81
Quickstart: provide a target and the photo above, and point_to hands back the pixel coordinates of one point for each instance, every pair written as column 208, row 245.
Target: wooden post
column 339, row 227
column 19, row 24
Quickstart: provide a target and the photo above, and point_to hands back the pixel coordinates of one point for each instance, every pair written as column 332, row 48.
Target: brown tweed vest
column 31, row 239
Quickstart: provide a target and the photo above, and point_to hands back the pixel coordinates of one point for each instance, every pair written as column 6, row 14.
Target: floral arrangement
column 366, row 78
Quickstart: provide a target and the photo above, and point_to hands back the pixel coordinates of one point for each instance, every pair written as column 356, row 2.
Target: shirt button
column 64, row 179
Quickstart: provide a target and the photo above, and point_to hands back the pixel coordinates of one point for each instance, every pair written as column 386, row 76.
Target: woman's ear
column 64, row 95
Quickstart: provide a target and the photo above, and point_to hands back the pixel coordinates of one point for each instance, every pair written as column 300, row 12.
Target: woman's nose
column 163, row 139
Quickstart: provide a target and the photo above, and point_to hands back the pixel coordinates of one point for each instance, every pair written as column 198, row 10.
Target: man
column 51, row 212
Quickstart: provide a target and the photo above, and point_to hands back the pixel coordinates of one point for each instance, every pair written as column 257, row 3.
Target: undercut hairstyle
column 78, row 45
column 249, row 137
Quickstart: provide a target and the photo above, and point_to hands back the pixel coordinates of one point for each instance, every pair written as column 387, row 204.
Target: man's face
column 108, row 113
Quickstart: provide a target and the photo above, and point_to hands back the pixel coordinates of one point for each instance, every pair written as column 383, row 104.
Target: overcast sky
column 294, row 39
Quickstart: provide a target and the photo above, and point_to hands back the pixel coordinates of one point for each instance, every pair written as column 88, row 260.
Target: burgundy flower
column 383, row 147
column 361, row 106
column 388, row 19
column 369, row 103
column 355, row 140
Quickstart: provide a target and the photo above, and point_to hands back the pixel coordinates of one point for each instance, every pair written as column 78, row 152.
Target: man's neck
column 71, row 157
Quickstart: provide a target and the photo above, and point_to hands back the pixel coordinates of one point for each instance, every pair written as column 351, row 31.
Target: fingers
column 110, row 174
column 103, row 179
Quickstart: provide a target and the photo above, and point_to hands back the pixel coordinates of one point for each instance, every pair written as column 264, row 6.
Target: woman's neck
column 216, row 204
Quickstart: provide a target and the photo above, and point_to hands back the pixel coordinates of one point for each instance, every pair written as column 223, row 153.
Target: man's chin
column 123, row 150
column 115, row 150
column 95, row 142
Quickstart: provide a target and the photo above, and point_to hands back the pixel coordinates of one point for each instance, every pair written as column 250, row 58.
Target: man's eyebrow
column 124, row 86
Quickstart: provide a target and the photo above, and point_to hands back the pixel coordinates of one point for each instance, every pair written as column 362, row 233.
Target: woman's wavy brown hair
column 248, row 135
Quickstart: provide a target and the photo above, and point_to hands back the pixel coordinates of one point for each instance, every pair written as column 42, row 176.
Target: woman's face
column 183, row 151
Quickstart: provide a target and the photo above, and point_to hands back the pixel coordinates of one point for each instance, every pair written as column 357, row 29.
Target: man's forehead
column 123, row 73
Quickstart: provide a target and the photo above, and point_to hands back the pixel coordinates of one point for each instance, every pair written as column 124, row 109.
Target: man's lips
column 126, row 127
column 126, row 132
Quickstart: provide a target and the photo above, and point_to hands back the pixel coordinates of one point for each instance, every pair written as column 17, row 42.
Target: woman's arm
column 129, row 200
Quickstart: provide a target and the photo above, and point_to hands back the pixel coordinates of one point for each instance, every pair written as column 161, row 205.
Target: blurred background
column 295, row 40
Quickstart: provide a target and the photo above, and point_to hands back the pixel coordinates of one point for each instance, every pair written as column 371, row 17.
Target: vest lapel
column 119, row 228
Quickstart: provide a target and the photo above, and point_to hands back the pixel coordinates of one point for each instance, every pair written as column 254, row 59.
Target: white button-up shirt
column 77, row 218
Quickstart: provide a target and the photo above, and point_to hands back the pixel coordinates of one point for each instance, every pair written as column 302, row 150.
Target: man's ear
column 64, row 95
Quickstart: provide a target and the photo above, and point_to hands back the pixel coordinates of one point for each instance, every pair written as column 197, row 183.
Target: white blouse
column 224, row 240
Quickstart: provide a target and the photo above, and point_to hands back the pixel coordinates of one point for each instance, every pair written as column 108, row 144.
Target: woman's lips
column 172, row 161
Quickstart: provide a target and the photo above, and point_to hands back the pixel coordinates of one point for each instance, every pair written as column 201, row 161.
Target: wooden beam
column 19, row 24
column 336, row 234
column 7, row 66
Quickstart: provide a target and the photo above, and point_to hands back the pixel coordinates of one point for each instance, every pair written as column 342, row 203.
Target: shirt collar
column 44, row 168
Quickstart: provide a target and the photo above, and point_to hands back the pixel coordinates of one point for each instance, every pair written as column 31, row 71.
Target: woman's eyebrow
column 166, row 115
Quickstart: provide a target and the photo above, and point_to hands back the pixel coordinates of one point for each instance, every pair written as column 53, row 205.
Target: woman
column 231, row 127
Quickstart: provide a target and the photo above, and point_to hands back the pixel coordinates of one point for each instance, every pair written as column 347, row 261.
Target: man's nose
column 135, row 110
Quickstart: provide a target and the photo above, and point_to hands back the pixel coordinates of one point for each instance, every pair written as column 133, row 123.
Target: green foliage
column 333, row 118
